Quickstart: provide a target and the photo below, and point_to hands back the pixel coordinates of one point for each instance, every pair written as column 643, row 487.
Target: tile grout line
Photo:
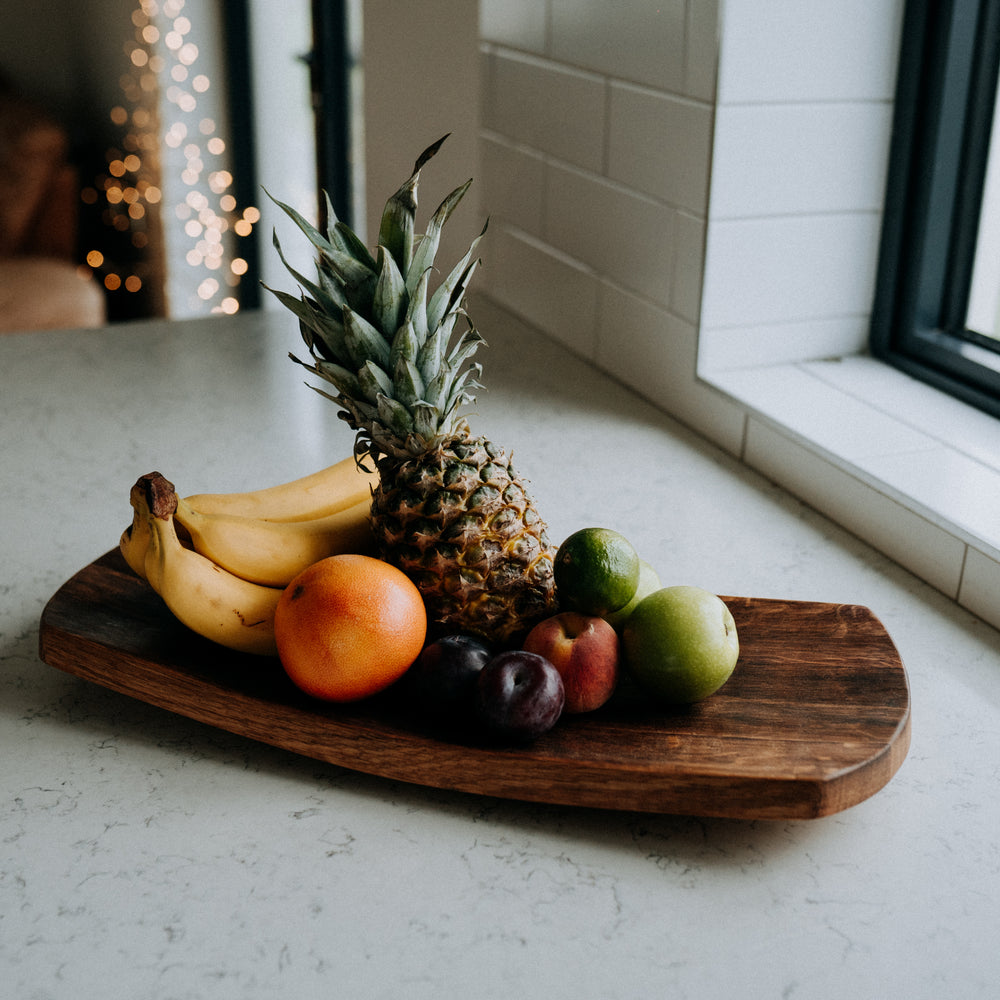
column 961, row 572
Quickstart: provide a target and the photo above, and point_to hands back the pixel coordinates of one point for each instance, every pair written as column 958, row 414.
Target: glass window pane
column 984, row 294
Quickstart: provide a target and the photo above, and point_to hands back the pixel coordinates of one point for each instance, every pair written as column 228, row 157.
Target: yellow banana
column 272, row 553
column 134, row 543
column 323, row 493
column 206, row 598
column 150, row 490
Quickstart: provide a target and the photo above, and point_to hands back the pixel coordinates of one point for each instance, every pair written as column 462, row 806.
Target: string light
column 162, row 90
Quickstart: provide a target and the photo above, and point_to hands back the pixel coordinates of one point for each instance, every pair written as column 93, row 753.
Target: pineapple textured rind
column 450, row 510
column 459, row 522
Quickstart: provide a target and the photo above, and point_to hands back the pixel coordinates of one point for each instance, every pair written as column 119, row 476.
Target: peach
column 586, row 652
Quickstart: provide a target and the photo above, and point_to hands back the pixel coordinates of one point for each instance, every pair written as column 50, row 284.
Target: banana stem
column 155, row 493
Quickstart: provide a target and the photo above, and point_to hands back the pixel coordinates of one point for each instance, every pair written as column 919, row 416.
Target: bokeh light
column 169, row 181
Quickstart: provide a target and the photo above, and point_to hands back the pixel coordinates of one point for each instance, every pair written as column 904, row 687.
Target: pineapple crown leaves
column 376, row 331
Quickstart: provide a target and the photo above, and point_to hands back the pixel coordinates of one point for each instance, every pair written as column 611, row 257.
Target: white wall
column 416, row 77
column 712, row 238
column 802, row 129
column 690, row 185
column 420, row 71
column 596, row 154
column 280, row 34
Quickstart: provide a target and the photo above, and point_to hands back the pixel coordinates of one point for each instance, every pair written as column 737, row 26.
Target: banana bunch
column 321, row 494
column 220, row 561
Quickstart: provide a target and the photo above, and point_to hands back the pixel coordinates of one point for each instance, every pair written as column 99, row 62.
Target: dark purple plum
column 519, row 695
column 442, row 681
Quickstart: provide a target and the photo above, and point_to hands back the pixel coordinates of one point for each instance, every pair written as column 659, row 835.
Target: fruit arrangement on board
column 419, row 562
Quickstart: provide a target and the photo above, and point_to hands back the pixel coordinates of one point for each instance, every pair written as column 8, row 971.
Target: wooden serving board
column 815, row 718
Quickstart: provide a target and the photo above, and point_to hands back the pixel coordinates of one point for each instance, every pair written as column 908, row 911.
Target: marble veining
column 147, row 855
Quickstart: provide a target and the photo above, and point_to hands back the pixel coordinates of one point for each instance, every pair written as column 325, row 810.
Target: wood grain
column 816, row 717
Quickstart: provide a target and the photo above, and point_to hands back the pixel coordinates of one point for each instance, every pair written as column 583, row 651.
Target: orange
column 348, row 627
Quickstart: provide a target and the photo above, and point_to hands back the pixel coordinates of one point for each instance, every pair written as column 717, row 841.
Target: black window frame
column 330, row 67
column 329, row 62
column 242, row 140
column 946, row 91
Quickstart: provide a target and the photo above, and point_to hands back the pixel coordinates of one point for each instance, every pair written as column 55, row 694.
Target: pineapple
column 450, row 509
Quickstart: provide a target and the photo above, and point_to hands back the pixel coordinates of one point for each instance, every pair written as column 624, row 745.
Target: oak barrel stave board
column 816, row 717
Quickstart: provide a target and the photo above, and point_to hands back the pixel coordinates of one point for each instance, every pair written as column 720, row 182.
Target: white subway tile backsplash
column 643, row 344
column 809, row 50
column 603, row 127
column 816, row 411
column 701, row 55
column 941, row 480
column 688, row 268
column 710, row 413
column 513, row 179
column 545, row 288
column 799, row 158
column 789, row 268
column 620, row 234
column 653, row 351
column 941, row 417
column 980, row 591
column 554, row 109
column 661, row 145
column 729, row 347
column 914, row 542
column 635, row 339
column 642, row 42
column 519, row 24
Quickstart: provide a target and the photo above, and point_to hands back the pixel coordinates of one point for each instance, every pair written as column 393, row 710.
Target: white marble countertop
column 146, row 855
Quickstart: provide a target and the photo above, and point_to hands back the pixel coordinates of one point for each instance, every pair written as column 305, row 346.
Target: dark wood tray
column 815, row 718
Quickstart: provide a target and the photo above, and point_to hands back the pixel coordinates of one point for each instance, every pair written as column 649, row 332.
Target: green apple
column 680, row 644
column 649, row 582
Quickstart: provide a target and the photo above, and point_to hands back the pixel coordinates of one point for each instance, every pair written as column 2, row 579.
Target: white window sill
column 910, row 470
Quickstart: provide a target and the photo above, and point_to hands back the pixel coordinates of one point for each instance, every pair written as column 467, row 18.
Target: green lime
column 681, row 644
column 649, row 581
column 596, row 571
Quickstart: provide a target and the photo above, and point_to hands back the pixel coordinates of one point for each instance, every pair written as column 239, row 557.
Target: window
column 331, row 87
column 938, row 296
